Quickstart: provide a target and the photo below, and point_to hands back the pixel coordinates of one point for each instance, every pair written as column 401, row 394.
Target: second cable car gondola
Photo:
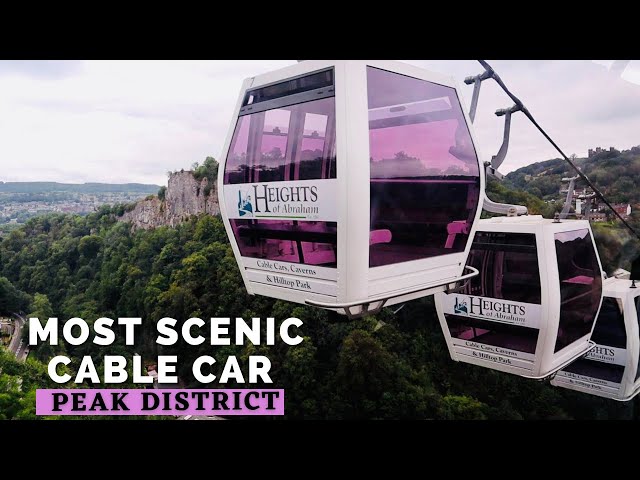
column 612, row 368
column 532, row 309
column 349, row 185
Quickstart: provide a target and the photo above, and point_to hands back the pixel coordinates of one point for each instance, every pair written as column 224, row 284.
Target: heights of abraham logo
column 460, row 307
column 245, row 207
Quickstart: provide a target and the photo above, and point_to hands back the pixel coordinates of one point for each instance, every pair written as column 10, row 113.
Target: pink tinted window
column 312, row 151
column 416, row 150
column 508, row 266
column 424, row 169
column 273, row 147
column 609, row 331
column 311, row 243
column 580, row 285
column 293, row 142
column 235, row 170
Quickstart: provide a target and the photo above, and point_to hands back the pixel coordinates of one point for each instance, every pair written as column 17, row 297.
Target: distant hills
column 89, row 188
column 615, row 173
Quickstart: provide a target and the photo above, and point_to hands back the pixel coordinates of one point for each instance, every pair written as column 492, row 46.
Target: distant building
column 598, row 217
column 600, row 207
column 623, row 209
column 597, row 150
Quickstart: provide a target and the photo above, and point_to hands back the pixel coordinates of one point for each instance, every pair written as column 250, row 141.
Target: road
column 17, row 345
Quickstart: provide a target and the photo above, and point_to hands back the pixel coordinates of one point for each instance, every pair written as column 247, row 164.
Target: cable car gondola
column 350, row 185
column 531, row 310
column 612, row 368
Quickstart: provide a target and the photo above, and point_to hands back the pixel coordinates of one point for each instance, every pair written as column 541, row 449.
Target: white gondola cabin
column 532, row 309
column 612, row 368
column 350, row 184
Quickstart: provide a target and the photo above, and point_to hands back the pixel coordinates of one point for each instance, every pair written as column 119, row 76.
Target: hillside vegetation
column 616, row 174
column 387, row 366
column 393, row 366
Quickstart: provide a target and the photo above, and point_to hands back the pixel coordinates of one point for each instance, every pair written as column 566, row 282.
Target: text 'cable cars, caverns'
column 350, row 185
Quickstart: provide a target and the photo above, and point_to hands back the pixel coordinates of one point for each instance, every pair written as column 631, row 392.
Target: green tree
column 89, row 246
column 208, row 170
column 42, row 307
column 461, row 407
column 12, row 300
column 363, row 373
column 300, row 375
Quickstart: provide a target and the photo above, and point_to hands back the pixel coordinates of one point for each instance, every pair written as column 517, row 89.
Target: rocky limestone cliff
column 185, row 196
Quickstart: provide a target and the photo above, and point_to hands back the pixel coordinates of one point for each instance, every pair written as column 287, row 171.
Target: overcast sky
column 132, row 121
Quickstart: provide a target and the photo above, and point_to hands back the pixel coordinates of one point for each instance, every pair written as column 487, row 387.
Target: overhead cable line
column 492, row 73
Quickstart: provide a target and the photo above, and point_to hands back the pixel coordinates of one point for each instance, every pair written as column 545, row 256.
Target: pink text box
column 90, row 401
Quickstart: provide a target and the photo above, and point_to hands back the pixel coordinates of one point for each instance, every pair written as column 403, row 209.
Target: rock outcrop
column 185, row 196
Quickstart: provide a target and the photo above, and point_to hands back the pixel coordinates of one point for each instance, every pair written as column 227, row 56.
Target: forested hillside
column 616, row 173
column 617, row 247
column 387, row 366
